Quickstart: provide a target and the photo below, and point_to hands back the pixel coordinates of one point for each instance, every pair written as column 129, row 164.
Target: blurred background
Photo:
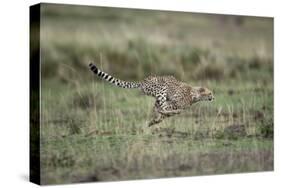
column 93, row 131
column 132, row 44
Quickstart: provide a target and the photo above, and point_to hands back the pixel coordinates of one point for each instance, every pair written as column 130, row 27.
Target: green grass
column 108, row 138
column 93, row 131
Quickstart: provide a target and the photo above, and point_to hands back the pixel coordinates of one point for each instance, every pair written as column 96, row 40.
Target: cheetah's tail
column 111, row 79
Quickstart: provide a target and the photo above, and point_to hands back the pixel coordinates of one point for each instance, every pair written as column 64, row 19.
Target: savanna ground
column 93, row 131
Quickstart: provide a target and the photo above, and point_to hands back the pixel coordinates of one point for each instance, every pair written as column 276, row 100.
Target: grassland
column 92, row 131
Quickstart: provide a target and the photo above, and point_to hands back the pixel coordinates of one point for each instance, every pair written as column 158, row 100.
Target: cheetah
column 172, row 96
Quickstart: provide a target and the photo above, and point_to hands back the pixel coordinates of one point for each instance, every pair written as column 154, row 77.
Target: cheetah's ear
column 201, row 89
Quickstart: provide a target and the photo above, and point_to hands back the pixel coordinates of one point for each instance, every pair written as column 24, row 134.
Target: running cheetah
column 172, row 96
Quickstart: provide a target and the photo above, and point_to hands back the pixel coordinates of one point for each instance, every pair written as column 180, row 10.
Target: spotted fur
column 172, row 96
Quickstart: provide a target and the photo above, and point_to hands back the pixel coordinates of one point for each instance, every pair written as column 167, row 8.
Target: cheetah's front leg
column 170, row 112
column 169, row 109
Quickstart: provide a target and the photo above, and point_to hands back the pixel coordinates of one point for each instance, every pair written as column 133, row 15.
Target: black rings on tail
column 111, row 79
column 93, row 68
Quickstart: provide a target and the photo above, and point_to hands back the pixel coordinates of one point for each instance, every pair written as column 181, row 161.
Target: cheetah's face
column 205, row 94
column 201, row 94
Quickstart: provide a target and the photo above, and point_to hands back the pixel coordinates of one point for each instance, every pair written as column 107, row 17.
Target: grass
column 93, row 131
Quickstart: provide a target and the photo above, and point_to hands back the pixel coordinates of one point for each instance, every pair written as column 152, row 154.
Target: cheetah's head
column 202, row 94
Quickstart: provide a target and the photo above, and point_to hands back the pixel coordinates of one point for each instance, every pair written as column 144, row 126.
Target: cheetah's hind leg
column 156, row 116
column 162, row 111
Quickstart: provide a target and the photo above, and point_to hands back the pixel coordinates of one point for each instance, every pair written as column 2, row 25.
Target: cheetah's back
column 157, row 85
